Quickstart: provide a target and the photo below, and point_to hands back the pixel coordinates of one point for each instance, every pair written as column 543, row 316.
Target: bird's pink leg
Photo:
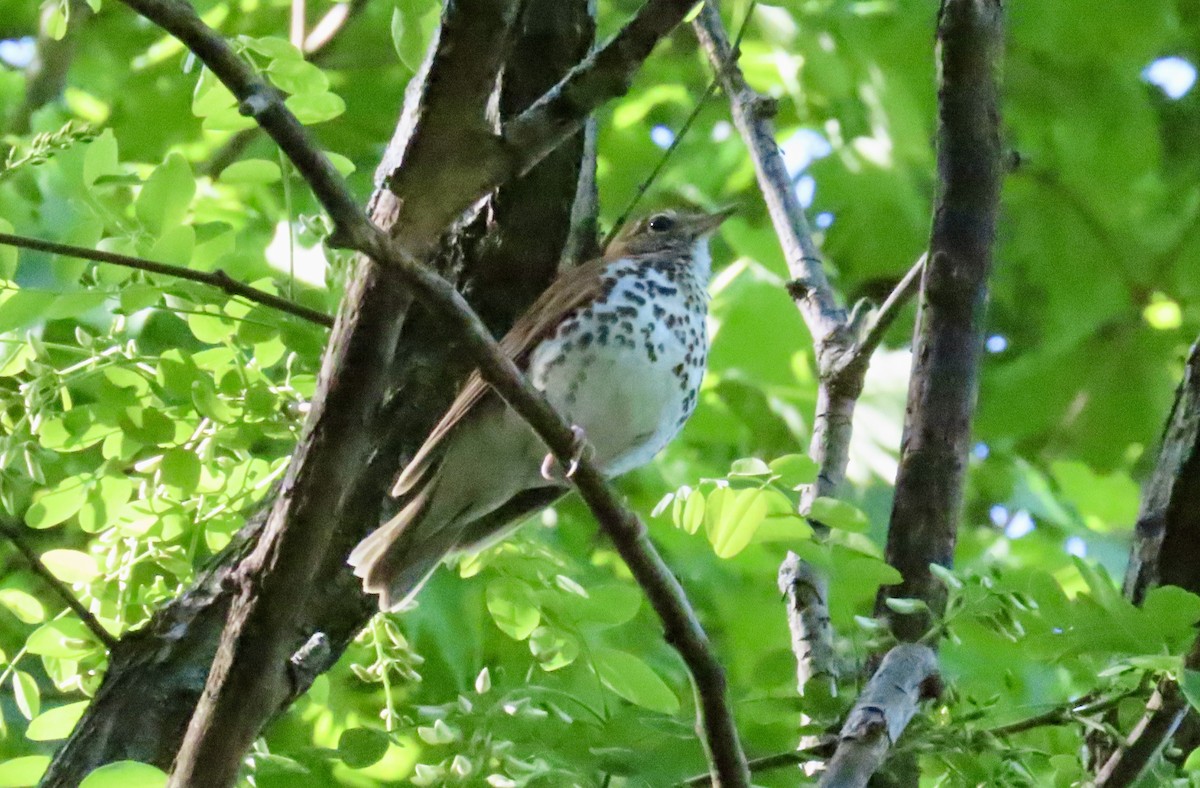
column 579, row 446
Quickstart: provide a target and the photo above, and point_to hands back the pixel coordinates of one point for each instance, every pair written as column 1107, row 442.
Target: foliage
column 143, row 418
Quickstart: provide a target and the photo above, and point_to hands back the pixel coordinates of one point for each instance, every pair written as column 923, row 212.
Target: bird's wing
column 569, row 292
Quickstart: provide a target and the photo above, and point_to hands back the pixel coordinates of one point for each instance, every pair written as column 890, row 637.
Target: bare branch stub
column 882, row 712
column 949, row 336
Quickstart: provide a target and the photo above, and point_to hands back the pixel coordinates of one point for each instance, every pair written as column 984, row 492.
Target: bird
column 618, row 345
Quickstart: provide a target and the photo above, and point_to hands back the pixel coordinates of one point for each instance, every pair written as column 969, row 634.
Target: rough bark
column 156, row 674
column 949, row 334
column 1166, row 542
column 1167, row 534
column 882, row 712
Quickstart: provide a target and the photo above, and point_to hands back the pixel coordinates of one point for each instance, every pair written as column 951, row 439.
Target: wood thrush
column 617, row 345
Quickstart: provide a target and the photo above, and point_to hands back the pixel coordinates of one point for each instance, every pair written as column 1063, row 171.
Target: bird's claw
column 579, row 447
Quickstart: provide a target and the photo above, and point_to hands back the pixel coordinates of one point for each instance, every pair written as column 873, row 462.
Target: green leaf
column 838, row 514
column 1189, row 682
column 25, row 606
column 634, row 680
column 340, row 163
column 412, row 24
column 732, row 518
column 905, row 606
column 688, row 513
column 26, row 694
column 251, row 171
column 313, row 108
column 103, row 503
column 361, row 747
column 70, row 566
column 749, row 466
column 513, row 607
column 55, row 22
column 298, row 76
column 606, row 605
column 795, row 470
column 553, row 649
column 180, row 468
column 57, row 504
column 125, row 774
column 56, row 723
column 21, row 308
column 64, row 638
column 100, row 158
column 174, row 246
column 164, row 200
column 24, row 771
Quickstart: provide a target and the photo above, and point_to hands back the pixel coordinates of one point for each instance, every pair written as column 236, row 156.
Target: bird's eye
column 661, row 223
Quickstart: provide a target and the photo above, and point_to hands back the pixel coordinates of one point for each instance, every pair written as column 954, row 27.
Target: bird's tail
column 398, row 557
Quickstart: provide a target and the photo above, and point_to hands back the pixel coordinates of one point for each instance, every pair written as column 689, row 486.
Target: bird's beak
column 707, row 223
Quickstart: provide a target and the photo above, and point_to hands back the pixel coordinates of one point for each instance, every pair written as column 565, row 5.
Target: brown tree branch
column 1164, row 712
column 949, row 336
column 948, row 340
column 1166, row 537
column 1167, row 533
column 60, row 588
column 906, row 676
column 230, row 712
column 218, row 278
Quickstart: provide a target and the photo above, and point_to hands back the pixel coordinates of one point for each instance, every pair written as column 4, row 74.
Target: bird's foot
column 579, row 447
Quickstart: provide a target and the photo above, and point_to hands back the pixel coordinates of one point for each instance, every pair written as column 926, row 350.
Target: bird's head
column 667, row 232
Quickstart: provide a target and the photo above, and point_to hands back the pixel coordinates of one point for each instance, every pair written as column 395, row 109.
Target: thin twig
column 60, row 588
column 218, row 279
column 649, row 180
column 882, row 319
column 767, row 763
column 528, row 138
column 827, row 322
column 1164, row 711
column 1081, row 707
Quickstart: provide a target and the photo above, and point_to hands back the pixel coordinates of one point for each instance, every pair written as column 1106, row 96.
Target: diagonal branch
column 1164, row 712
column 218, row 278
column 60, row 588
column 1163, row 552
column 907, row 675
column 752, row 115
column 227, row 718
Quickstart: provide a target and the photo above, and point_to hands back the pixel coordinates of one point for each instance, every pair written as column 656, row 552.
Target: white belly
column 632, row 392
